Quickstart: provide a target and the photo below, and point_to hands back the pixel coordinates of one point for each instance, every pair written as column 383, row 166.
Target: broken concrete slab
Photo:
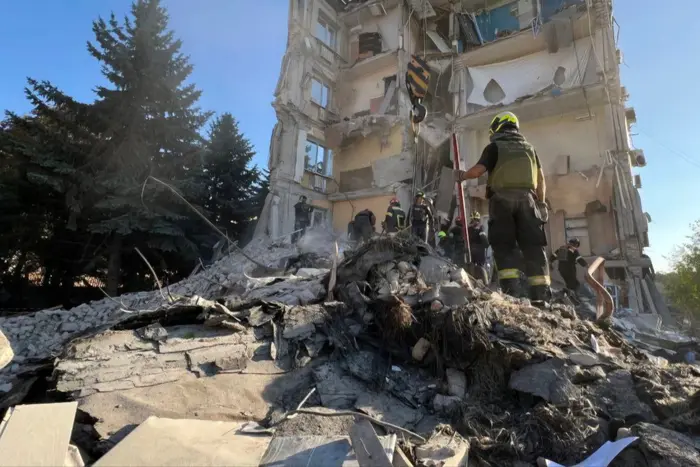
column 617, row 395
column 168, row 442
column 36, row 435
column 659, row 447
column 119, row 360
column 319, row 451
column 549, row 380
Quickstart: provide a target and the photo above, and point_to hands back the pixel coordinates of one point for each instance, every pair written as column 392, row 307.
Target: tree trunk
column 114, row 266
column 19, row 269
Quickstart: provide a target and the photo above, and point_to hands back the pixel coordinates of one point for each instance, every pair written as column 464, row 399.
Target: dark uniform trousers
column 420, row 230
column 363, row 227
column 514, row 225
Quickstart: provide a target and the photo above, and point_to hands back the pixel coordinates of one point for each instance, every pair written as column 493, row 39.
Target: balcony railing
column 328, row 54
column 318, row 182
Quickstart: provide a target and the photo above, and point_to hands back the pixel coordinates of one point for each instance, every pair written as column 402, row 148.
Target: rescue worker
column 478, row 241
column 364, row 225
column 478, row 244
column 517, row 213
column 302, row 218
column 442, row 242
column 421, row 217
column 457, row 246
column 568, row 255
column 395, row 218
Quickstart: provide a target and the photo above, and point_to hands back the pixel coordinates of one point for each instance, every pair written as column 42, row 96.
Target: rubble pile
column 404, row 337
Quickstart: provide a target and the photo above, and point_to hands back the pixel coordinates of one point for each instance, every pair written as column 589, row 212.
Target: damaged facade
column 343, row 136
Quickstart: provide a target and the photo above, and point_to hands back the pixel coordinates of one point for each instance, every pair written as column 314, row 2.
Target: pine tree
column 43, row 186
column 231, row 184
column 151, row 128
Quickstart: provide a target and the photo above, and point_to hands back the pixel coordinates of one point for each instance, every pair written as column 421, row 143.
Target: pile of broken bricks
column 406, row 352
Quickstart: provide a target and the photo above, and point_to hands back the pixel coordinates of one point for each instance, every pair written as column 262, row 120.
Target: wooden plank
column 37, row 435
column 401, row 459
column 368, row 450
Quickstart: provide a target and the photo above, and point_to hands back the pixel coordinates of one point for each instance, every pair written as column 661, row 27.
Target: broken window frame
column 325, row 164
column 326, row 32
column 324, row 90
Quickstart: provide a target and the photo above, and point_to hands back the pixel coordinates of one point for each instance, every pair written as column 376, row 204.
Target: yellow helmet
column 475, row 216
column 502, row 120
column 442, row 234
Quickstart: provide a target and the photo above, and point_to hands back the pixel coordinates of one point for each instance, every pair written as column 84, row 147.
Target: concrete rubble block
column 153, row 332
column 660, row 447
column 617, row 394
column 446, row 405
column 434, row 270
column 420, row 349
column 456, row 383
column 300, row 321
column 452, row 294
column 443, row 450
column 549, row 380
column 583, row 357
column 460, row 276
column 336, row 388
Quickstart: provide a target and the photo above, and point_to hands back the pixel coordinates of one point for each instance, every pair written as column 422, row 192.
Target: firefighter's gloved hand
column 459, row 175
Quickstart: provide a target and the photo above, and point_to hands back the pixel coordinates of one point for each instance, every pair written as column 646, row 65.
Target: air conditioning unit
column 637, row 181
column 637, row 158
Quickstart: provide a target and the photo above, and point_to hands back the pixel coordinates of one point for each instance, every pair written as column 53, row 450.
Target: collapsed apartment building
column 344, row 138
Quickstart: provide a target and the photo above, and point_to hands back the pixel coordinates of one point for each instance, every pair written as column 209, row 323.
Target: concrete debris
column 515, row 382
column 456, row 383
column 420, row 349
column 444, row 450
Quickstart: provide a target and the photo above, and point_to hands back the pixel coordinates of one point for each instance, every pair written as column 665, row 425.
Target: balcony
column 317, row 182
column 321, row 114
column 327, row 54
column 505, row 35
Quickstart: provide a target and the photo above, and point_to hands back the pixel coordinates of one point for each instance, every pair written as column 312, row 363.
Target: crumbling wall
column 362, row 152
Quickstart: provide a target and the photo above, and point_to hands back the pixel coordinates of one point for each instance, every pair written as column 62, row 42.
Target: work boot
column 539, row 294
column 510, row 287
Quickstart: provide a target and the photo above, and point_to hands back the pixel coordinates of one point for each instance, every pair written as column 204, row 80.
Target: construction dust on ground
column 306, row 357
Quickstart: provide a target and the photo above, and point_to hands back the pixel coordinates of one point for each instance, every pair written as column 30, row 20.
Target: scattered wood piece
column 401, row 459
column 238, row 327
column 368, row 450
column 334, row 274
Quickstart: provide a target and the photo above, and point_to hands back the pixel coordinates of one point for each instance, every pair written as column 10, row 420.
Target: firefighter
column 517, row 213
column 442, row 242
column 302, row 218
column 457, row 246
column 568, row 255
column 421, row 217
column 364, row 225
column 395, row 219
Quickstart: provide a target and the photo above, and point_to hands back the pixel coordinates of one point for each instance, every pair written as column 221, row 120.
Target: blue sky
column 236, row 47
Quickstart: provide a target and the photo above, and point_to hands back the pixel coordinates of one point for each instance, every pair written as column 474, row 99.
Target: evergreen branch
column 155, row 276
column 203, row 217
